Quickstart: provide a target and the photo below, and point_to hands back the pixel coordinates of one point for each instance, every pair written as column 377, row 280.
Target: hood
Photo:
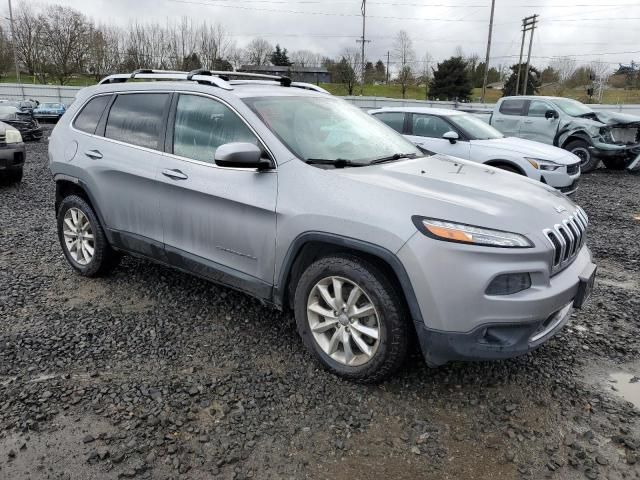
column 441, row 186
column 597, row 119
column 529, row 148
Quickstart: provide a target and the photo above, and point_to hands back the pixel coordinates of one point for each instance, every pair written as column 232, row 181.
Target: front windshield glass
column 475, row 128
column 327, row 128
column 572, row 108
column 8, row 113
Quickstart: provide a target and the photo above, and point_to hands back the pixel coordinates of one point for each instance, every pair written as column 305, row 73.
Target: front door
column 219, row 222
column 536, row 126
column 427, row 131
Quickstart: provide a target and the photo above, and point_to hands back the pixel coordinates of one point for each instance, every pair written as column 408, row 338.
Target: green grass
column 76, row 81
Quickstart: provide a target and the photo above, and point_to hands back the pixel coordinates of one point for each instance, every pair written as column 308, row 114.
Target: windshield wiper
column 391, row 158
column 338, row 162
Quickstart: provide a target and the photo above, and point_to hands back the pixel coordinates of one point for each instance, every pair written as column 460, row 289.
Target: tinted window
column 394, row 119
column 429, row 126
column 513, row 107
column 137, row 119
column 88, row 119
column 203, row 124
column 538, row 108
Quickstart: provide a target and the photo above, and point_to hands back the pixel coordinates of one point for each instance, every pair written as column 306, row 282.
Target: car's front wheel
column 580, row 148
column 351, row 318
column 82, row 239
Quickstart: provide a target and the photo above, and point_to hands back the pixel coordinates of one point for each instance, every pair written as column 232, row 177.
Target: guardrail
column 66, row 95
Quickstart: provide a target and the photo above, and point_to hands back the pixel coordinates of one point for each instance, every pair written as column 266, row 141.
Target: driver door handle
column 174, row 174
column 95, row 154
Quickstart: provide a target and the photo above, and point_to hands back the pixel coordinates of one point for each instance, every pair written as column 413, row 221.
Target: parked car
column 465, row 136
column 22, row 105
column 611, row 137
column 12, row 153
column 49, row 111
column 28, row 126
column 287, row 193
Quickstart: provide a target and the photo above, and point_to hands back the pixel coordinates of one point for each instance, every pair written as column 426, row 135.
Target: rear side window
column 513, row 107
column 394, row 119
column 137, row 118
column 203, row 124
column 88, row 119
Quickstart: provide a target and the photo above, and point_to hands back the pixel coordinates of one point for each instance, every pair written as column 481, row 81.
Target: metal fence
column 55, row 93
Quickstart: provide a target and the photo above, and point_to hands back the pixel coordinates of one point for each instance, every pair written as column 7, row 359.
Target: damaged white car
column 611, row 137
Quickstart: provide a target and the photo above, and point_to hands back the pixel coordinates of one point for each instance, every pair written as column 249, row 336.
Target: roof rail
column 284, row 81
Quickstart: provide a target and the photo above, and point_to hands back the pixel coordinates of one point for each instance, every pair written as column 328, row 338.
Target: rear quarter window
column 137, row 118
column 88, row 118
column 513, row 107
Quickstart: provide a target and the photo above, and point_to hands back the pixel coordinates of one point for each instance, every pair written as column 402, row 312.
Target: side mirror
column 241, row 155
column 452, row 136
column 551, row 114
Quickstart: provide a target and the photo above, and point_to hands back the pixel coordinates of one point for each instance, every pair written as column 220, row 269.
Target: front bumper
column 12, row 156
column 629, row 153
column 461, row 322
column 561, row 180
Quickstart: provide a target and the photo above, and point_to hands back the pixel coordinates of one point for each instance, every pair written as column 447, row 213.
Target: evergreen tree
column 369, row 73
column 280, row 58
column 451, row 81
column 381, row 72
column 533, row 81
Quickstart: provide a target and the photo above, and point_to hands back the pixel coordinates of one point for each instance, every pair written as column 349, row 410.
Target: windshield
column 330, row 129
column 572, row 108
column 8, row 113
column 475, row 128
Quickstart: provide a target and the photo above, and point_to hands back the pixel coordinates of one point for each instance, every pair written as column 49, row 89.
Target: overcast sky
column 606, row 30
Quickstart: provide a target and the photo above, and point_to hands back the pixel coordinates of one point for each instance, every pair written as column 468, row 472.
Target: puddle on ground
column 626, row 386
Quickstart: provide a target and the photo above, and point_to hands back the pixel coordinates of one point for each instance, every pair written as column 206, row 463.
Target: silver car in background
column 463, row 135
column 278, row 189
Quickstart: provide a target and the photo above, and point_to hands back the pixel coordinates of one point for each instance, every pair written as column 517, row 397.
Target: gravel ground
column 151, row 373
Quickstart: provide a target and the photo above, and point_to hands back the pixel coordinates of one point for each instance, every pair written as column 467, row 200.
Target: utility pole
column 387, row 72
column 13, row 43
column 486, row 61
column 528, row 24
column 526, row 72
column 363, row 40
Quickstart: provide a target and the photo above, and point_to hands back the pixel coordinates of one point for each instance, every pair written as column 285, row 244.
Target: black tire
column 393, row 322
column 580, row 148
column 14, row 175
column 614, row 163
column 104, row 259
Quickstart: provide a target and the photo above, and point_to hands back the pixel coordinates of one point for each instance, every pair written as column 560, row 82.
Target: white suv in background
column 463, row 135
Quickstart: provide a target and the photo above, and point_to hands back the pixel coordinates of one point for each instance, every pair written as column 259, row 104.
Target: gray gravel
column 150, row 373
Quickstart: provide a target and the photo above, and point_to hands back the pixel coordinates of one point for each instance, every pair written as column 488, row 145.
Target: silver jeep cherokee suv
column 282, row 191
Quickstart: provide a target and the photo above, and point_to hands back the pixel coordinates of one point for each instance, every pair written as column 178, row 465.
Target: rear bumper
column 12, row 157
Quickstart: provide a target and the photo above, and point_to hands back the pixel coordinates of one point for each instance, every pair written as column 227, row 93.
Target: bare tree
column 347, row 69
column 103, row 54
column 565, row 67
column 258, row 51
column 6, row 57
column 29, row 39
column 305, row 58
column 426, row 72
column 67, row 36
column 404, row 56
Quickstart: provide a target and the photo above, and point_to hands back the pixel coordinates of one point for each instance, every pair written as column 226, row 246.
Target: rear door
column 217, row 221
column 509, row 117
column 121, row 160
column 427, row 131
column 536, row 126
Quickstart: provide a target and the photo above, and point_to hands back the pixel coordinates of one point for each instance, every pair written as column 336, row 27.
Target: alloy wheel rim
column 343, row 321
column 582, row 154
column 78, row 236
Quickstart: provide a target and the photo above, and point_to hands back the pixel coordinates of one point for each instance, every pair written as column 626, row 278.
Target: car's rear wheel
column 351, row 318
column 614, row 163
column 580, row 148
column 82, row 239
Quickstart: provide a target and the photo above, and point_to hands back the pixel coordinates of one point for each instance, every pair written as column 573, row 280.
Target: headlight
column 462, row 233
column 540, row 164
column 13, row 136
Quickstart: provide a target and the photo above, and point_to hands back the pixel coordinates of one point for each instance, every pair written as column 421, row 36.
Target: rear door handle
column 175, row 174
column 95, row 154
column 528, row 121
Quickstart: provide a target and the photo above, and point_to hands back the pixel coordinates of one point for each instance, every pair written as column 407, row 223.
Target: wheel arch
column 577, row 135
column 67, row 185
column 498, row 162
column 310, row 246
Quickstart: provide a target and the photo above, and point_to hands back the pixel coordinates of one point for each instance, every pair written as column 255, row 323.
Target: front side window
column 136, row 118
column 538, row 108
column 393, row 119
column 513, row 107
column 330, row 129
column 203, row 124
column 88, row 119
column 429, row 126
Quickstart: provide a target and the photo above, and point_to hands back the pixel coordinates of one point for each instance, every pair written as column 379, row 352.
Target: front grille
column 3, row 140
column 573, row 169
column 624, row 135
column 567, row 238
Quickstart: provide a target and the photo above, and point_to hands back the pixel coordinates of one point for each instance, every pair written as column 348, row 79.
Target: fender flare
column 565, row 135
column 355, row 245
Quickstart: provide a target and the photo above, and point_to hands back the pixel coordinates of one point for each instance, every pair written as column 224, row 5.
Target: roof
column 432, row 111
